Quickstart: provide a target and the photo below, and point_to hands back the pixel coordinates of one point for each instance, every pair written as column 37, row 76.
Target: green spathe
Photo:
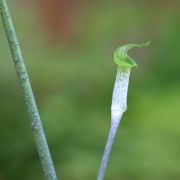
column 121, row 57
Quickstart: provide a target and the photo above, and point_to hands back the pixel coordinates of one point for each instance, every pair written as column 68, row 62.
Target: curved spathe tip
column 121, row 57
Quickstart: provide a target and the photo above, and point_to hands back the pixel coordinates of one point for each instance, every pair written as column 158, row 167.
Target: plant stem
column 119, row 97
column 107, row 151
column 118, row 107
column 37, row 129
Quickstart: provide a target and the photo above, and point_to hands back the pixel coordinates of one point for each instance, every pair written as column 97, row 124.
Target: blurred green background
column 68, row 49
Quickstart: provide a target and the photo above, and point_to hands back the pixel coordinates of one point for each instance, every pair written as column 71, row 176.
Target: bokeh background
column 68, row 48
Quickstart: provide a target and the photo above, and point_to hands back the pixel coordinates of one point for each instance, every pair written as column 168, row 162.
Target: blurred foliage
column 73, row 80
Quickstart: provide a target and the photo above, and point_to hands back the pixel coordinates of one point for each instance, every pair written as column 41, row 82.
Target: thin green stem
column 37, row 128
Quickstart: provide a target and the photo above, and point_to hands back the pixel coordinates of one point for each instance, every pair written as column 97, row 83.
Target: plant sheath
column 118, row 107
column 37, row 128
column 119, row 98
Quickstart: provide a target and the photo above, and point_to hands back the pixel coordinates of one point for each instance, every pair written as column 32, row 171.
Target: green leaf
column 121, row 57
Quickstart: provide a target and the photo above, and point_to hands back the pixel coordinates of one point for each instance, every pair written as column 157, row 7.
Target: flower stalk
column 119, row 98
column 37, row 128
